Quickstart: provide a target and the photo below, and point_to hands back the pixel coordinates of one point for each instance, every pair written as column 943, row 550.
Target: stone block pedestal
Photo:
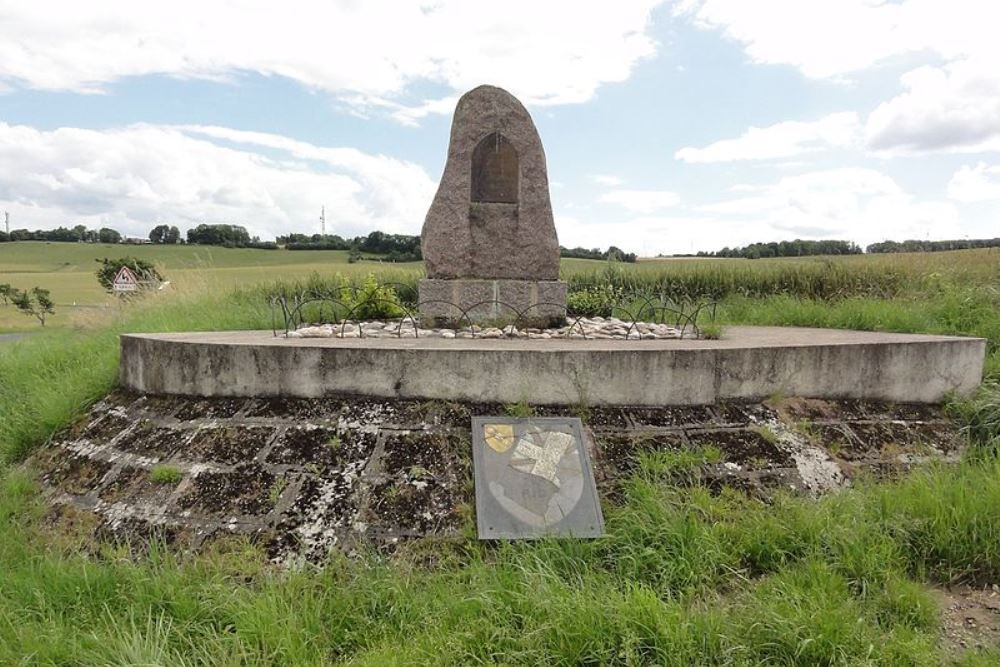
column 542, row 302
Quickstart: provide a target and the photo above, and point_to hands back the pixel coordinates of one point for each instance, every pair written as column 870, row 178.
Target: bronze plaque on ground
column 533, row 479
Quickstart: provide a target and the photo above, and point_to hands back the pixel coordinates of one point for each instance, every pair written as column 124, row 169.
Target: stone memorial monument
column 489, row 242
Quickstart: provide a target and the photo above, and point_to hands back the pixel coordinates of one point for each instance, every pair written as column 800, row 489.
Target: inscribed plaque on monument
column 533, row 479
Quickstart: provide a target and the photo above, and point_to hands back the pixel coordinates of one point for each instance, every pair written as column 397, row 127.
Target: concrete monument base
column 748, row 363
column 538, row 302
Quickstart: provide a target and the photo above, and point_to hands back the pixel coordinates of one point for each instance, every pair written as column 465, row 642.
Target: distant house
column 137, row 240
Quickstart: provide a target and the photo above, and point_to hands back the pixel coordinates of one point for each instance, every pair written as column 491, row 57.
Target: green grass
column 67, row 270
column 683, row 577
column 49, row 378
column 165, row 474
column 42, row 257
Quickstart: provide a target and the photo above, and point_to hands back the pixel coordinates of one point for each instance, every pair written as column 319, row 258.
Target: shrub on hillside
column 6, row 293
column 143, row 270
column 594, row 300
column 36, row 302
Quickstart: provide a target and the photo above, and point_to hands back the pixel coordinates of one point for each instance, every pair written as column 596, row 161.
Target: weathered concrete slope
column 302, row 476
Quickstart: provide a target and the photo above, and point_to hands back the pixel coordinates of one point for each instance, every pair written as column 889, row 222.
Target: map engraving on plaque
column 533, row 479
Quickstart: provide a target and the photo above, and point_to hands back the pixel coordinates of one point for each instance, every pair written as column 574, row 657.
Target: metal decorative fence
column 398, row 304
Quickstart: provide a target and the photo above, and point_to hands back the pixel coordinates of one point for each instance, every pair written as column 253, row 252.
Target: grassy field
column 683, row 577
column 67, row 270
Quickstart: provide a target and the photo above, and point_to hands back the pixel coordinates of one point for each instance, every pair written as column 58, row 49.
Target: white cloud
column 859, row 204
column 835, row 38
column 955, row 108
column 950, row 104
column 641, row 201
column 141, row 175
column 854, row 203
column 782, row 140
column 607, row 180
column 369, row 54
column 975, row 184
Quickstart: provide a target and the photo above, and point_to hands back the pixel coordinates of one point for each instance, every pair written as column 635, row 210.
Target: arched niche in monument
column 496, row 172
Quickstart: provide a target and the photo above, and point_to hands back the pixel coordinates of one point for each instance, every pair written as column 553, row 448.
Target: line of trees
column 227, row 236
column 162, row 234
column 391, row 247
column 796, row 248
column 913, row 245
column 77, row 234
column 613, row 253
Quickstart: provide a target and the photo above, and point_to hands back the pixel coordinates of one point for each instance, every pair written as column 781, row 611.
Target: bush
column 165, row 474
column 594, row 300
column 143, row 270
column 36, row 302
column 371, row 300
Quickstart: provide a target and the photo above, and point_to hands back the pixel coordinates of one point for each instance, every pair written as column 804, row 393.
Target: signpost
column 125, row 281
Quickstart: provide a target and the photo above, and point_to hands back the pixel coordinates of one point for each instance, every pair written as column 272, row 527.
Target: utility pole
column 322, row 219
column 6, row 222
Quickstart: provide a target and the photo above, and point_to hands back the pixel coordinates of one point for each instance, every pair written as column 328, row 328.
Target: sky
column 668, row 126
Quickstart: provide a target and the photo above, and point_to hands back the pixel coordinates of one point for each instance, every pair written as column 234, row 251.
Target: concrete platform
column 749, row 363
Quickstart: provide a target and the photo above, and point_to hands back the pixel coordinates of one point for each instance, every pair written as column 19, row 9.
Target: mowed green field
column 67, row 270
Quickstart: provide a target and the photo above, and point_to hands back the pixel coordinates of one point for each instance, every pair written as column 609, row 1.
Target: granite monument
column 489, row 242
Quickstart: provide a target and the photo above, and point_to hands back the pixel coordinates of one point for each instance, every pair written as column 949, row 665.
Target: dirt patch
column 106, row 427
column 813, row 409
column 71, row 523
column 72, row 473
column 248, row 490
column 139, row 534
column 417, row 506
column 922, row 412
column 878, row 440
column 148, row 439
column 744, row 414
column 358, row 412
column 622, row 450
column 420, row 453
column 162, row 406
column 227, row 444
column 211, row 408
column 745, row 447
column 761, row 485
column 435, row 413
column 672, row 416
column 291, row 408
column 320, row 448
column 942, row 436
column 970, row 618
column 120, row 487
column 135, row 484
column 599, row 417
